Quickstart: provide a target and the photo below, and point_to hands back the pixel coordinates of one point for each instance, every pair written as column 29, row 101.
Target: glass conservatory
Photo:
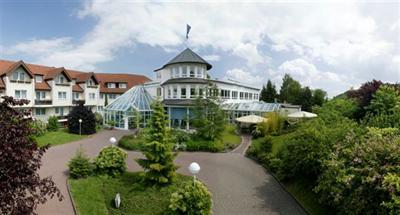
column 259, row 108
column 130, row 110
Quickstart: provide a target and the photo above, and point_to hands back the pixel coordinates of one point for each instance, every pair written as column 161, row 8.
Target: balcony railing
column 43, row 102
column 79, row 101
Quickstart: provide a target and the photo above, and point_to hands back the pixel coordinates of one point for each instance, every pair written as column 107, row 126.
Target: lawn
column 95, row 195
column 58, row 137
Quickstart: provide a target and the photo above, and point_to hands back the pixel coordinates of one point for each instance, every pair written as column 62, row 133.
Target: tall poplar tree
column 159, row 162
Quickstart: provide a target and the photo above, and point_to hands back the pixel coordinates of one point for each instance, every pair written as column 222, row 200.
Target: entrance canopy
column 251, row 119
column 302, row 114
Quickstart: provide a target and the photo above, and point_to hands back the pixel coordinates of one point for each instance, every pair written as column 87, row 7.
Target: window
column 40, row 95
column 60, row 111
column 62, row 95
column 20, row 94
column 92, row 96
column 169, row 93
column 234, row 95
column 192, row 72
column 158, row 91
column 76, row 96
column 201, row 92
column 175, row 72
column 199, row 72
column 250, row 96
column 112, row 96
column 192, row 92
column 183, row 93
column 184, row 71
column 110, row 85
column 225, row 94
column 90, row 82
column 38, row 78
column 61, row 79
column 175, row 92
column 40, row 111
column 19, row 75
column 241, row 95
column 101, row 95
column 122, row 85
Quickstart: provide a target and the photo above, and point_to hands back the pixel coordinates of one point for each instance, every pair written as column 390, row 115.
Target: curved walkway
column 238, row 184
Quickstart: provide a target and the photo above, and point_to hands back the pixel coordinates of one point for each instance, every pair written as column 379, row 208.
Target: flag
column 187, row 31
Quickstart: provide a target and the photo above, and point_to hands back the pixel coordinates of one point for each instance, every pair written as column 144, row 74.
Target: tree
column 268, row 93
column 290, row 90
column 318, row 97
column 88, row 125
column 209, row 119
column 159, row 162
column 21, row 188
column 305, row 99
column 363, row 96
column 105, row 100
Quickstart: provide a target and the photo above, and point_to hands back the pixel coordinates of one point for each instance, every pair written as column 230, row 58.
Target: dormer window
column 122, row 85
column 38, row 78
column 60, row 79
column 19, row 75
column 110, row 85
column 90, row 82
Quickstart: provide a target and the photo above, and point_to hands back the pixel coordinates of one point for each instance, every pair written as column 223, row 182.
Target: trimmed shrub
column 133, row 141
column 180, row 139
column 193, row 198
column 88, row 120
column 39, row 128
column 197, row 144
column 79, row 166
column 111, row 161
column 260, row 147
column 52, row 123
column 99, row 119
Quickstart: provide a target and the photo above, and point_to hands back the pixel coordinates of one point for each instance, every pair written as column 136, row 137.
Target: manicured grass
column 229, row 137
column 95, row 195
column 58, row 137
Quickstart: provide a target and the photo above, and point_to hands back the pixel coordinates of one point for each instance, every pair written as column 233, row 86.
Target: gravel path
column 238, row 184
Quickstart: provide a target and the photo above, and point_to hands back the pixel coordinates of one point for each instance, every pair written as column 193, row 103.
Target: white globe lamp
column 194, row 168
column 113, row 140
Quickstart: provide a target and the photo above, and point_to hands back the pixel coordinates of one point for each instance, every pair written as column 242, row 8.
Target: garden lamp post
column 80, row 126
column 194, row 168
column 113, row 140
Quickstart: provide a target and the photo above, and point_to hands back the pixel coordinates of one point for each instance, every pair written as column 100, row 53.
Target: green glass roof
column 136, row 98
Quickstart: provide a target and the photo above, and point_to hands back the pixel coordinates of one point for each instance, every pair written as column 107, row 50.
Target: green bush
column 39, row 128
column 193, row 198
column 180, row 139
column 79, row 166
column 198, row 144
column 260, row 147
column 133, row 141
column 272, row 126
column 111, row 161
column 52, row 123
column 88, row 124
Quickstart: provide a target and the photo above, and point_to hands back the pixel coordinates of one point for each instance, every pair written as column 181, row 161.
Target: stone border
column 70, row 197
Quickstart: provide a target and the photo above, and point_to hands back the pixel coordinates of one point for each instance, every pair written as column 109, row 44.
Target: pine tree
column 263, row 94
column 159, row 162
column 271, row 92
column 290, row 89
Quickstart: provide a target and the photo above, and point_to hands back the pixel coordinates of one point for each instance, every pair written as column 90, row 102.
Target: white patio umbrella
column 251, row 119
column 302, row 114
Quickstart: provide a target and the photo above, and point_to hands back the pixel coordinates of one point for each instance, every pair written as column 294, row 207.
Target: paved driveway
column 238, row 184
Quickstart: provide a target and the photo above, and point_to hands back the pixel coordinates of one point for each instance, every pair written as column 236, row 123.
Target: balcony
column 43, row 102
column 79, row 101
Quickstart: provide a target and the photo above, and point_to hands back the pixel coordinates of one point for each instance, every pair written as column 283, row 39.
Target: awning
column 251, row 119
column 302, row 114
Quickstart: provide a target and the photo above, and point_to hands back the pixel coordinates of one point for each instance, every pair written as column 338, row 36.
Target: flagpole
column 188, row 27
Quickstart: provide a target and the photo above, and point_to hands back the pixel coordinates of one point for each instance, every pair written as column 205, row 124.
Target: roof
column 2, row 85
column 77, row 88
column 50, row 72
column 187, row 56
column 256, row 106
column 234, row 83
column 130, row 79
column 42, row 86
column 9, row 66
column 185, row 80
column 137, row 98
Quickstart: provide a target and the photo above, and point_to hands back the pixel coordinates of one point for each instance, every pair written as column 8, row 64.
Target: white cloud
column 212, row 57
column 341, row 36
column 244, row 77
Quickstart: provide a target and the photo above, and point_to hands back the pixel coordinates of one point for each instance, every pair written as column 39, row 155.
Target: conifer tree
column 270, row 92
column 159, row 162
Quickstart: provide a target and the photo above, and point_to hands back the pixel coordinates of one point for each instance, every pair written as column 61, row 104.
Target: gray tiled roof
column 187, row 56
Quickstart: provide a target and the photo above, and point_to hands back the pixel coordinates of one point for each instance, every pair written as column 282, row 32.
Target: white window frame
column 111, row 85
column 39, row 78
column 122, row 85
column 21, row 94
column 62, row 95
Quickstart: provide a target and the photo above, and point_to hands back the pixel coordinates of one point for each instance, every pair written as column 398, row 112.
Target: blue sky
column 334, row 46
